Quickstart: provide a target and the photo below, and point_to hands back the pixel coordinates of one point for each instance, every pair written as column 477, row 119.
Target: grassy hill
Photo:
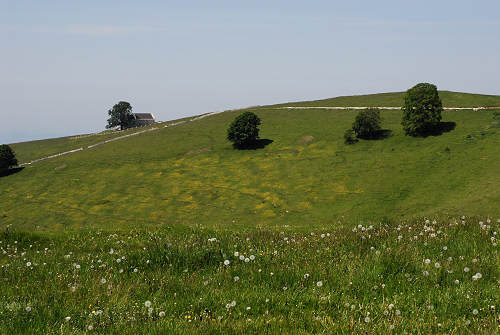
column 173, row 231
column 190, row 174
column 396, row 99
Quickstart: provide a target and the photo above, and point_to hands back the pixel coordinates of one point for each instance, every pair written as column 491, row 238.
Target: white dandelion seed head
column 233, row 303
column 247, row 260
column 161, row 314
column 427, row 261
column 367, row 319
column 466, row 269
column 28, row 264
column 306, row 276
column 226, row 262
column 242, row 257
column 67, row 318
column 147, row 303
column 475, row 311
column 103, row 280
column 252, row 257
column 236, row 254
column 90, row 327
column 398, row 312
column 319, row 283
column 391, row 306
column 437, row 265
column 467, row 322
column 236, row 278
column 457, row 281
column 28, row 309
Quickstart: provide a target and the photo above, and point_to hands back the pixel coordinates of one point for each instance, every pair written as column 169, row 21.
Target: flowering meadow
column 431, row 275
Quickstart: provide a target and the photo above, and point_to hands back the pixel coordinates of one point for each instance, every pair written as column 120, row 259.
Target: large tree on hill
column 367, row 123
column 120, row 115
column 7, row 158
column 244, row 130
column 422, row 109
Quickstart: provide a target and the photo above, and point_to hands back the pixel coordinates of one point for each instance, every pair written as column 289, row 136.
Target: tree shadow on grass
column 439, row 129
column 258, row 144
column 8, row 172
column 379, row 135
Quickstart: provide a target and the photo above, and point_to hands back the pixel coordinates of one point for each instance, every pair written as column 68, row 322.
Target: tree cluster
column 121, row 116
column 7, row 158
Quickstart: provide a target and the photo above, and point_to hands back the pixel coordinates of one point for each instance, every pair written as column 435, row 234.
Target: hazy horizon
column 65, row 64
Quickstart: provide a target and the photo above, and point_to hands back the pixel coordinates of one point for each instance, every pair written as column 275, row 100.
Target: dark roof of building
column 144, row 116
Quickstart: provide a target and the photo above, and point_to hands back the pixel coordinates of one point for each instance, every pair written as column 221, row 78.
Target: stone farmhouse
column 143, row 119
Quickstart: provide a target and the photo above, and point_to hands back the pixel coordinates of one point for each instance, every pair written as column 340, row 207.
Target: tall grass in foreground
column 427, row 276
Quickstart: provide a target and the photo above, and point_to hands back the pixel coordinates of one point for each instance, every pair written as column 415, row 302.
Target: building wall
column 142, row 123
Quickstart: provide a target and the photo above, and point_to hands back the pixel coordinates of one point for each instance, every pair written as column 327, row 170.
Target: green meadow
column 174, row 231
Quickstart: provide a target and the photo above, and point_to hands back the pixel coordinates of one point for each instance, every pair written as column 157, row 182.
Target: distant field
column 28, row 151
column 395, row 99
column 307, row 176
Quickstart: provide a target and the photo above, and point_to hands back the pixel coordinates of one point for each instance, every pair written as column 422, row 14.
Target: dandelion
column 236, row 278
column 391, row 306
column 28, row 309
column 445, row 248
column 475, row 311
column 398, row 312
column 319, row 284
column 147, row 303
column 457, row 281
column 103, row 280
column 161, row 314
column 467, row 322
column 247, row 260
column 427, row 261
column 367, row 319
column 28, row 264
column 233, row 303
column 249, row 308
column 90, row 327
column 466, row 269
column 437, row 265
column 425, row 273
column 242, row 257
column 136, row 269
column 479, row 275
column 236, row 254
column 306, row 276
column 67, row 318
column 111, row 251
column 252, row 257
column 226, row 262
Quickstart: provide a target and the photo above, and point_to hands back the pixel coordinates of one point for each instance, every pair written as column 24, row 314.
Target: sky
column 63, row 64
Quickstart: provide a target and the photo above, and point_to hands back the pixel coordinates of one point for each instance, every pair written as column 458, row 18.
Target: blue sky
column 63, row 64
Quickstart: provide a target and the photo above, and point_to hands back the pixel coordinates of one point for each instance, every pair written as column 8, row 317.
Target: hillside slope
column 396, row 99
column 190, row 174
